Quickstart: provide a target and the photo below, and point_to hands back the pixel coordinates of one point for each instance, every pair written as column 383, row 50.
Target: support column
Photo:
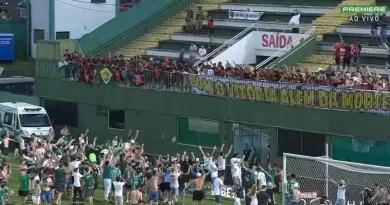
column 52, row 20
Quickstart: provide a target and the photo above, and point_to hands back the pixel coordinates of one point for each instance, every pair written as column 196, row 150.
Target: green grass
column 98, row 198
column 18, row 68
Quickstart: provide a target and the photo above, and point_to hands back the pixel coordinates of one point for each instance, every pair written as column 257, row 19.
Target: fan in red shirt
column 337, row 53
column 347, row 56
column 357, row 47
column 211, row 29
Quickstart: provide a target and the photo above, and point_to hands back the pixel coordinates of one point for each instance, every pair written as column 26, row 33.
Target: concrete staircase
column 163, row 32
column 327, row 23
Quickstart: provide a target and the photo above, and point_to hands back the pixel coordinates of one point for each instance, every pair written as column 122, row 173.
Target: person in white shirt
column 118, row 190
column 213, row 170
column 77, row 185
column 210, row 71
column 207, row 158
column 341, row 189
column 222, row 160
column 174, row 185
column 235, row 164
column 202, row 51
column 115, row 141
column 217, row 189
column 294, row 21
column 261, row 179
column 22, row 147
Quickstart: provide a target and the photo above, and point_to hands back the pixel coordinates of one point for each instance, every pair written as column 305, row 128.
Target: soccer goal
column 315, row 176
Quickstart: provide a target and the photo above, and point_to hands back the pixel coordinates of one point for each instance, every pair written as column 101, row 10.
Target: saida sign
column 293, row 94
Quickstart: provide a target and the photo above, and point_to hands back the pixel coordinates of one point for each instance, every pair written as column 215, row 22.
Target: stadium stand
column 169, row 38
column 325, row 25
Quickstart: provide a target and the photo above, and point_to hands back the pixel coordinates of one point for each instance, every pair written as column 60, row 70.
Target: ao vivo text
column 278, row 40
column 357, row 18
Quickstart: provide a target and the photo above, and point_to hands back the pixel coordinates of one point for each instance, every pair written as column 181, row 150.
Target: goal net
column 315, row 175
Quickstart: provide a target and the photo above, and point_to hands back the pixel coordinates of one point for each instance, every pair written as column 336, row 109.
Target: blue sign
column 7, row 47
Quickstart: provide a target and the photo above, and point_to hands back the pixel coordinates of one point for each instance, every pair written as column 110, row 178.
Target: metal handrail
column 286, row 48
column 285, row 56
column 249, row 28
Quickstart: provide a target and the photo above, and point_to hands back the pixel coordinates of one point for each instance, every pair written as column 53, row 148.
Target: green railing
column 130, row 25
column 293, row 94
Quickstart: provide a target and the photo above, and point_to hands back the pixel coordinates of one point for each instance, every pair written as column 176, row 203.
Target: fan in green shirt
column 137, row 182
column 107, row 170
column 89, row 181
column 116, row 172
column 2, row 195
column 24, row 182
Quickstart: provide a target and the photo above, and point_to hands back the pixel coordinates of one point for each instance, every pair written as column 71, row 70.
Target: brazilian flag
column 107, row 76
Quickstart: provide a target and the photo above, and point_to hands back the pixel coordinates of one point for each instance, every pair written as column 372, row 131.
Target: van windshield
column 34, row 120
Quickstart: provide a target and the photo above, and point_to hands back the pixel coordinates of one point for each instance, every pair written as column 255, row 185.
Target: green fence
column 130, row 25
column 9, row 97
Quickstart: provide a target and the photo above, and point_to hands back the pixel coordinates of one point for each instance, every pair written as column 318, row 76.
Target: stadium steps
column 327, row 23
column 163, row 32
column 316, row 61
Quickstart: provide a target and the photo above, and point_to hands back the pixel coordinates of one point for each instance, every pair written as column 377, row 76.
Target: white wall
column 260, row 43
column 80, row 17
column 242, row 51
column 39, row 20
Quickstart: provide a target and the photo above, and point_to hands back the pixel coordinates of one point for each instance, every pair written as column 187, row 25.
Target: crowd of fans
column 74, row 167
column 138, row 71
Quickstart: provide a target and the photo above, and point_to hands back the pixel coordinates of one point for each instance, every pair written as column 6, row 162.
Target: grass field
column 98, row 199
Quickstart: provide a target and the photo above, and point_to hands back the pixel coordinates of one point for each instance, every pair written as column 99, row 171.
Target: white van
column 24, row 119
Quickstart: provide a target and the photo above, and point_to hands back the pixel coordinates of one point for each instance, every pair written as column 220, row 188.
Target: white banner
column 226, row 192
column 275, row 40
column 245, row 15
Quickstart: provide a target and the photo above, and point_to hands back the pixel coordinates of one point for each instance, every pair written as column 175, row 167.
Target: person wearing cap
column 341, row 189
column 198, row 193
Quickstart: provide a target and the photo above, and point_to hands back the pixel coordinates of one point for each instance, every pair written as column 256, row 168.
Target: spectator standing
column 357, row 47
column 190, row 19
column 374, row 29
column 118, row 190
column 199, row 19
column 193, row 51
column 202, row 51
column 210, row 70
column 77, row 185
column 383, row 31
column 262, row 197
column 347, row 56
column 294, row 21
column 211, row 26
column 337, row 54
column 181, row 56
column 89, row 183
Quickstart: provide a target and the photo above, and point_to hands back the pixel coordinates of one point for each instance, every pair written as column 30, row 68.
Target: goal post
column 315, row 175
